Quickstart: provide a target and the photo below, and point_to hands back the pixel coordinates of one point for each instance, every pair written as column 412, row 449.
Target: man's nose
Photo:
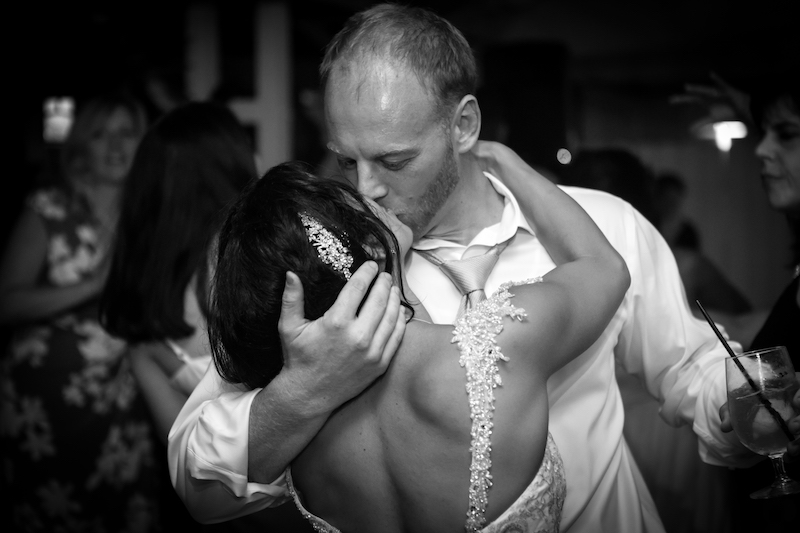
column 370, row 183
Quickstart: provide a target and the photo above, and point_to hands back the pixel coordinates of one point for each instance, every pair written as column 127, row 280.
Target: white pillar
column 203, row 71
column 270, row 110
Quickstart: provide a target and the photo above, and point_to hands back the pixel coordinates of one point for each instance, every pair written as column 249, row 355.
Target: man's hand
column 326, row 362
column 334, row 358
column 793, row 448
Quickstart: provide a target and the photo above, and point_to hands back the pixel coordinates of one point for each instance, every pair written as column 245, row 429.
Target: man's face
column 390, row 143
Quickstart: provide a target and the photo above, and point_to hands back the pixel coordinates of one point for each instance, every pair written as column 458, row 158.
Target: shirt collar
column 511, row 221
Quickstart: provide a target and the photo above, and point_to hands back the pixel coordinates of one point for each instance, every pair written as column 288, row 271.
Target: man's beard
column 435, row 195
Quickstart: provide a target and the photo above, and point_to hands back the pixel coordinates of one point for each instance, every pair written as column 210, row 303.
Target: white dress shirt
column 653, row 335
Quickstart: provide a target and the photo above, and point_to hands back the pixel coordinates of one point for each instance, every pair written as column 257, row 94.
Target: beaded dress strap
column 475, row 333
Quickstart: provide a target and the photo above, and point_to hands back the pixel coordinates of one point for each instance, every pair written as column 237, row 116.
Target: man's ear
column 466, row 124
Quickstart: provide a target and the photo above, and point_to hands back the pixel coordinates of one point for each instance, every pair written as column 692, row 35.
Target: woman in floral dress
column 77, row 443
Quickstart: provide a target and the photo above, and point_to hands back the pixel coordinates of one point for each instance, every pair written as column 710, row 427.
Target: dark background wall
column 565, row 73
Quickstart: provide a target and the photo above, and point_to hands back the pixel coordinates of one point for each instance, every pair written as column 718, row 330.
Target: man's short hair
column 430, row 46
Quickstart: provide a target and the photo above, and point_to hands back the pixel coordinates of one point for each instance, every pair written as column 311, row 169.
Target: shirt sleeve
column 677, row 356
column 207, row 454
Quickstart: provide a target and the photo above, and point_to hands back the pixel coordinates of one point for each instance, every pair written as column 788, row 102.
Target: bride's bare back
column 397, row 457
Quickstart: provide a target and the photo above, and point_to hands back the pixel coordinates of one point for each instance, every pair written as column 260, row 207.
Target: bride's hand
column 490, row 154
column 521, row 178
column 502, row 162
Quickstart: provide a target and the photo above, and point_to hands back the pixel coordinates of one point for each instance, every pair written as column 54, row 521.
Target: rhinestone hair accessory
column 329, row 248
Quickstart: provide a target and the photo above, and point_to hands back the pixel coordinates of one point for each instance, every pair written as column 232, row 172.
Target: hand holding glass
column 760, row 407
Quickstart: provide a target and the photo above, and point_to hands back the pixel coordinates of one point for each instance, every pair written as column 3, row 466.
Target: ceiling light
column 722, row 126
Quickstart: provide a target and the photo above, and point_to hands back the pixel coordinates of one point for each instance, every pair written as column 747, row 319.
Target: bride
column 455, row 434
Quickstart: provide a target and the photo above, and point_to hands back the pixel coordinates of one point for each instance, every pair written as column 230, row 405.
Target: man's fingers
column 375, row 305
column 727, row 87
column 725, row 419
column 352, row 294
column 684, row 99
column 395, row 339
column 703, row 90
column 292, row 305
column 794, row 425
column 792, row 451
column 388, row 323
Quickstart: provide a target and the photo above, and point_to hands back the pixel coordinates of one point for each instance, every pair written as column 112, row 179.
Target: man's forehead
column 374, row 76
column 377, row 108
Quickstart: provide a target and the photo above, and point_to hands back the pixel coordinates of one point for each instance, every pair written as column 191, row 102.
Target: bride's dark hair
column 261, row 239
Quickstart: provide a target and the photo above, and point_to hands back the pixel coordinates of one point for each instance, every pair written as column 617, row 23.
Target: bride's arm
column 565, row 229
column 568, row 311
column 580, row 296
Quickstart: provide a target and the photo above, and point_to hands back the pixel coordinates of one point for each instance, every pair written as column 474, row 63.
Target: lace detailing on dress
column 475, row 333
column 538, row 509
column 319, row 525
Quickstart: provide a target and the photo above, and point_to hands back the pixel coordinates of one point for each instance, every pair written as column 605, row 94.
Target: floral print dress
column 78, row 452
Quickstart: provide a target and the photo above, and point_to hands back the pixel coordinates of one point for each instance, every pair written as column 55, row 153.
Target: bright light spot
column 725, row 132
column 58, row 117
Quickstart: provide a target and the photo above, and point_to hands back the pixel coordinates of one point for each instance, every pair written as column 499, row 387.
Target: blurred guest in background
column 190, row 165
column 623, row 174
column 77, row 447
column 777, row 112
column 669, row 195
column 773, row 109
column 701, row 278
column 616, row 171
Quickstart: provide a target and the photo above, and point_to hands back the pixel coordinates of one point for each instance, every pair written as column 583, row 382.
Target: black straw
column 752, row 383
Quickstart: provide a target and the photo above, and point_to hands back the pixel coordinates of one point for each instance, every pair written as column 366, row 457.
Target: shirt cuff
column 217, row 449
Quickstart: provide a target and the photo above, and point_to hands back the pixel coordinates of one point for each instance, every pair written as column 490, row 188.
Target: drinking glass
column 761, row 385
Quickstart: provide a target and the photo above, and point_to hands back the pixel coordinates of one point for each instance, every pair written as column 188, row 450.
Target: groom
column 403, row 123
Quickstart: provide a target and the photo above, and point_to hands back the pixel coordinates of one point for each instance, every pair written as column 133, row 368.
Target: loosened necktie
column 468, row 275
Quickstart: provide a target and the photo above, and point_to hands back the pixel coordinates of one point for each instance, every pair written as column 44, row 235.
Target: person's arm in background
column 22, row 298
column 229, row 447
column 718, row 97
column 153, row 364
